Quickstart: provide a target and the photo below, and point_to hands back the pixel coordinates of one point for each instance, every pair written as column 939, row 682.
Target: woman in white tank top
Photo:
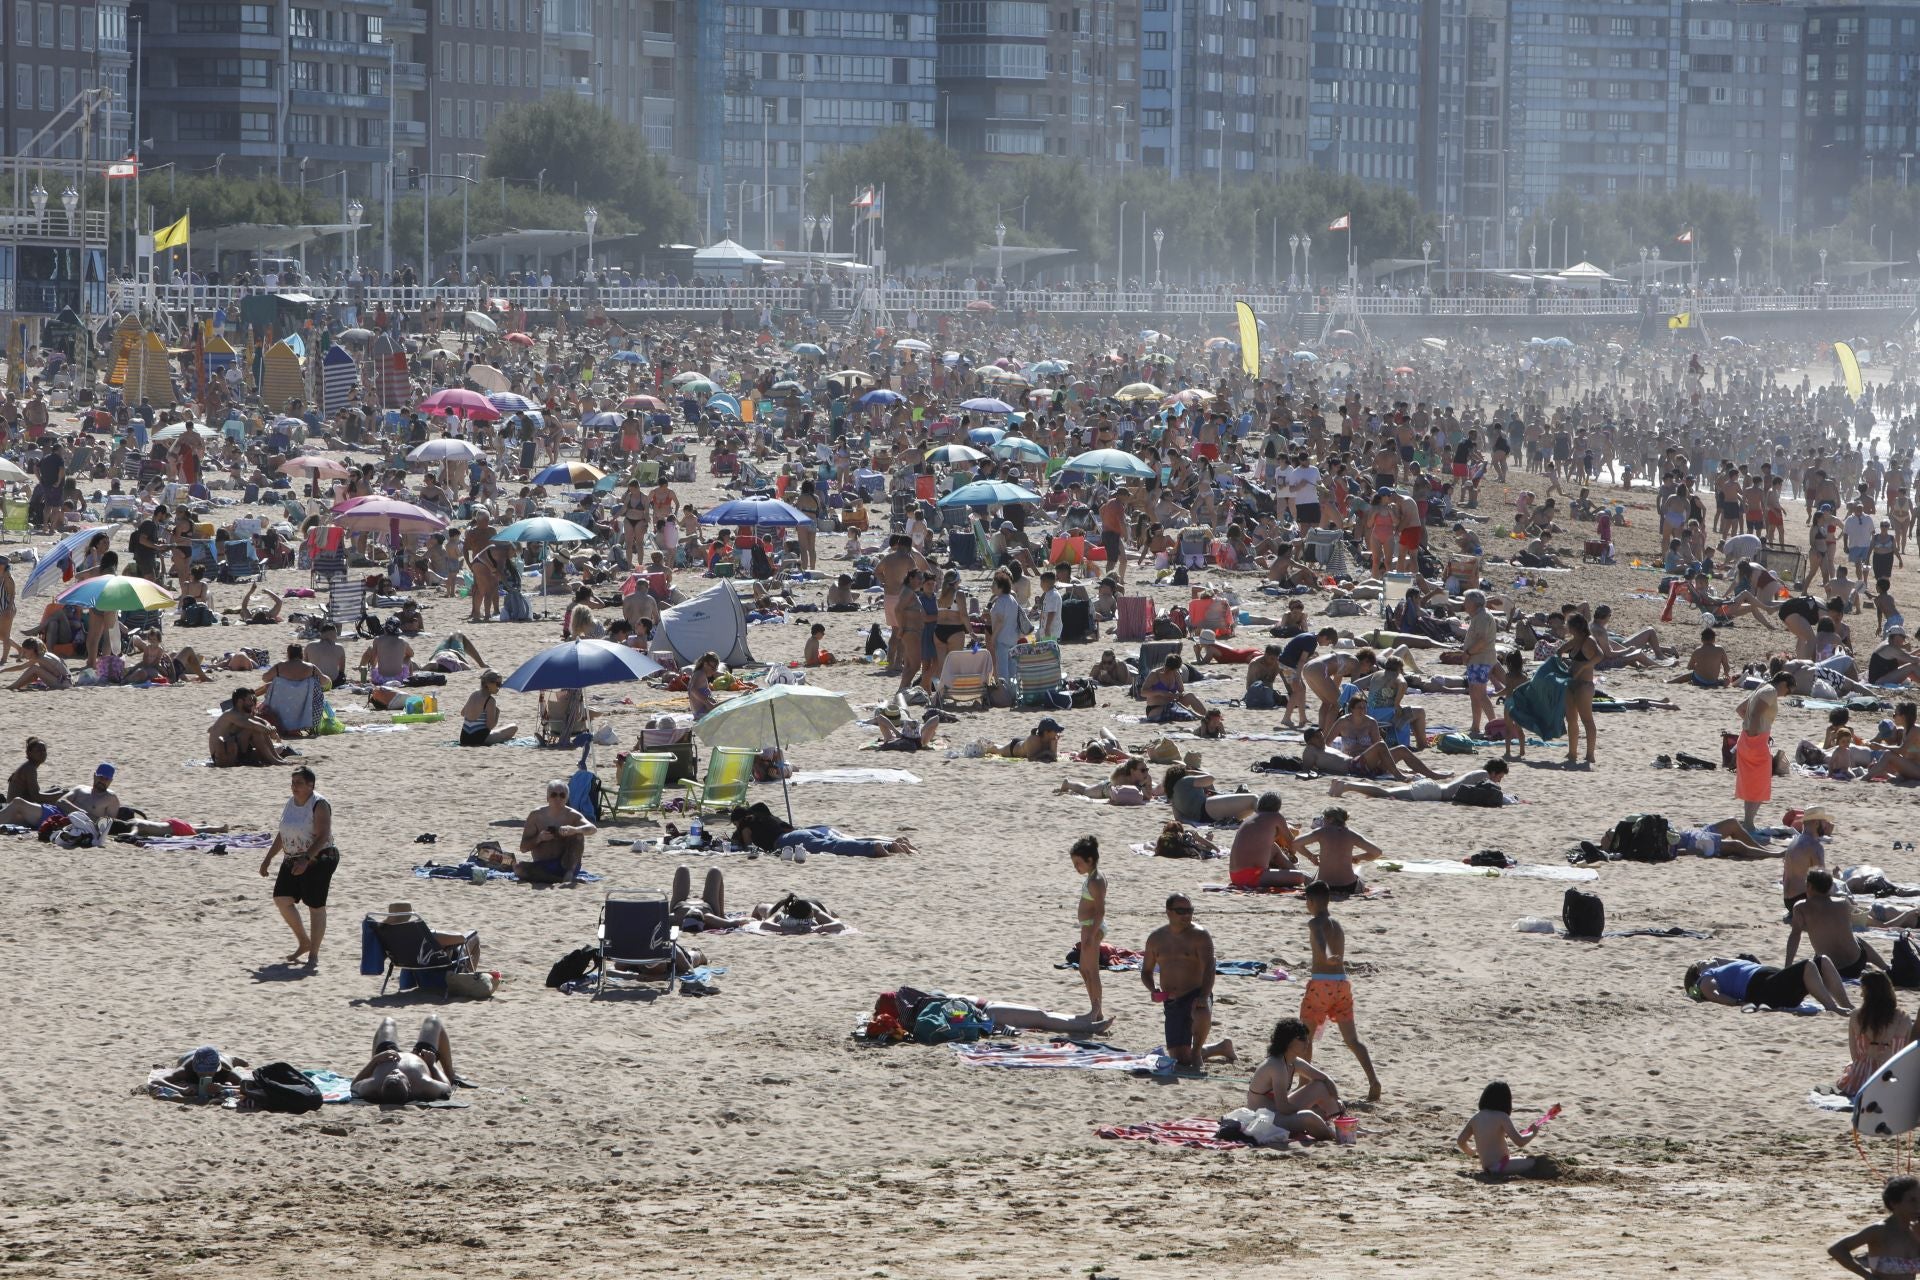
column 308, row 860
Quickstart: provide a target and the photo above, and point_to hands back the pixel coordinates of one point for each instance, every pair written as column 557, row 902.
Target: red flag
column 1342, row 223
column 1685, row 237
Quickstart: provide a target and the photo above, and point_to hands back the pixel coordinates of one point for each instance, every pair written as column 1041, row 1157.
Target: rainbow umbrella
column 117, row 592
column 580, row 475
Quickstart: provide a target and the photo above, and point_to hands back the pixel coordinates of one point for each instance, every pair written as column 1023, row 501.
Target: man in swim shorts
column 1481, row 638
column 421, row 1074
column 1329, row 993
column 1181, row 952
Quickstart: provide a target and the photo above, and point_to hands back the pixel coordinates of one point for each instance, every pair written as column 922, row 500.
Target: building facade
column 469, row 61
column 1740, row 103
column 1860, row 67
column 55, row 52
column 1367, row 89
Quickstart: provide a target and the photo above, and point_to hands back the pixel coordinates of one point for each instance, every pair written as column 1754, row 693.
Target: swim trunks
column 1477, row 672
column 1247, row 877
column 1704, row 683
column 1326, row 999
column 1410, row 537
column 308, row 887
column 1178, row 1014
column 1110, row 543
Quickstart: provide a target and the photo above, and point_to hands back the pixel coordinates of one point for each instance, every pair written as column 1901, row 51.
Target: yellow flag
column 1849, row 368
column 172, row 237
column 1682, row 321
column 1249, row 340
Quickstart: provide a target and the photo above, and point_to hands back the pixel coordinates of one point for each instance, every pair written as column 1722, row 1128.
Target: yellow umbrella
column 1139, row 391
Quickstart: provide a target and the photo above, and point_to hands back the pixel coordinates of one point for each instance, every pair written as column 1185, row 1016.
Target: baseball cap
column 104, row 771
column 1050, row 725
column 205, row 1060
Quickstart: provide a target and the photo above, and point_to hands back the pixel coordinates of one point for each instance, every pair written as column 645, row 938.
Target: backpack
column 1584, row 915
column 1260, row 697
column 573, row 966
column 950, row 1021
column 1457, row 744
column 1904, row 967
column 196, row 613
column 1167, row 629
column 1481, row 795
column 1641, row 837
column 283, row 1087
column 585, row 792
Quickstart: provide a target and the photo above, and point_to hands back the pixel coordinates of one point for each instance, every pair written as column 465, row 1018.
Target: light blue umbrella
column 989, row 493
column 880, row 395
column 544, row 529
column 953, row 454
column 722, row 402
column 1047, row 368
column 805, row 349
column 512, row 402
column 629, row 357
column 1562, row 343
column 579, row 664
column 46, row 574
column 1305, row 355
column 1019, row 447
column 986, row 437
column 1109, row 462
column 986, row 404
column 757, row 511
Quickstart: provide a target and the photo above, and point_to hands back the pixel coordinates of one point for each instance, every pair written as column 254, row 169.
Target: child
column 1490, row 1130
column 813, row 655
column 1514, row 675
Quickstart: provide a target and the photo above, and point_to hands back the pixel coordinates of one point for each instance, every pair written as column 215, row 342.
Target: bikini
column 1086, row 895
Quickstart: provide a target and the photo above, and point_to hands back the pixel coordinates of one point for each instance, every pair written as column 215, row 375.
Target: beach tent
column 387, row 360
column 283, row 375
column 727, row 255
column 339, row 375
column 714, row 620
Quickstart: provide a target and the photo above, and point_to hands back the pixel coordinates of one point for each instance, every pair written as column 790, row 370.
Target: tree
column 587, row 155
column 934, row 207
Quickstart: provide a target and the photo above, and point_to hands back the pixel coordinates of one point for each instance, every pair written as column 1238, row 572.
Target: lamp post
column 1426, row 265
column 1736, row 268
column 1254, row 239
column 1643, row 268
column 1823, row 268
column 999, row 253
column 1306, row 252
column 1120, row 245
column 1293, row 261
column 1904, row 157
column 355, row 211
column 39, row 197
column 808, row 224
column 70, row 201
column 1159, row 237
column 592, row 216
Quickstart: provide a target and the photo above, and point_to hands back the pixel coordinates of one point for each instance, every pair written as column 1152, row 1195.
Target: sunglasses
column 1179, row 911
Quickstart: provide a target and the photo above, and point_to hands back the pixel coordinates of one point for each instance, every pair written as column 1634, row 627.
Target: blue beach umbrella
column 1108, row 462
column 989, row 493
column 986, row 437
column 986, row 404
column 544, row 529
column 880, row 395
column 579, row 664
column 757, row 511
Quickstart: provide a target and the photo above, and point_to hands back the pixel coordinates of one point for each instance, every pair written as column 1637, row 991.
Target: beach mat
column 1064, row 1055
column 816, row 777
column 1526, row 870
column 1196, row 1135
column 1366, row 891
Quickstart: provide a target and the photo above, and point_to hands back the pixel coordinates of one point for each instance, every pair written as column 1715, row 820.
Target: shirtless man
column 555, row 839
column 1753, row 755
column 890, row 571
column 1804, row 855
column 241, row 736
column 1262, row 856
column 1329, row 993
column 1708, row 668
column 1334, row 848
column 1376, row 760
column 1482, row 635
column 422, row 1074
column 1495, row 771
column 1323, row 673
column 29, row 806
column 1828, row 924
column 1265, row 668
column 1181, row 953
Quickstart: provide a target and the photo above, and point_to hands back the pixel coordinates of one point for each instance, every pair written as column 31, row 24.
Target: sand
column 745, row 1131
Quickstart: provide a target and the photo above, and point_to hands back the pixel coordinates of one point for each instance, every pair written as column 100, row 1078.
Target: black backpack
column 281, row 1086
column 1481, row 795
column 1642, row 837
column 1904, row 967
column 1584, row 915
column 573, row 966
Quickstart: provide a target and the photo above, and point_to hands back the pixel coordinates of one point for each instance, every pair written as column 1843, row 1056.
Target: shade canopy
column 579, row 664
column 989, row 493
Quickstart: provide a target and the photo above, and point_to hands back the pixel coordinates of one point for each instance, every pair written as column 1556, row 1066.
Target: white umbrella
column 793, row 712
column 911, row 344
column 444, row 449
column 481, row 321
column 47, row 572
column 10, row 474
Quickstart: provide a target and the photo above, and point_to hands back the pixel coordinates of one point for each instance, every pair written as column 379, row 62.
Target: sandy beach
column 747, row 1132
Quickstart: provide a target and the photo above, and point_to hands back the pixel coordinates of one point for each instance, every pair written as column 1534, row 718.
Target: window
column 463, row 63
column 46, row 26
column 306, row 22
column 446, row 12
column 204, row 126
column 796, row 66
column 302, row 128
column 256, row 126
column 493, row 14
column 69, row 28
column 497, row 64
column 769, row 22
column 373, row 82
column 247, row 73
column 1153, row 79
column 446, row 120
column 900, row 70
column 23, row 86
column 372, row 28
column 1154, row 40
column 445, row 69
column 513, row 68
column 461, row 111
column 23, row 22
column 479, row 121
column 513, row 15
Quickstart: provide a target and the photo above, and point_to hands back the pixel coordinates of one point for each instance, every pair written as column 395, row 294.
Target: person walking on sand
column 305, row 846
column 1179, row 955
column 1329, row 993
column 1753, row 754
column 1085, row 856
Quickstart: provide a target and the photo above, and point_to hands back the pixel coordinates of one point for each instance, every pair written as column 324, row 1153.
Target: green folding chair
column 642, row 784
column 729, row 770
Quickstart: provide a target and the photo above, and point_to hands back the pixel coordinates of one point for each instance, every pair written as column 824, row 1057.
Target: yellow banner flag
column 172, row 237
column 1682, row 321
column 1849, row 368
column 1249, row 340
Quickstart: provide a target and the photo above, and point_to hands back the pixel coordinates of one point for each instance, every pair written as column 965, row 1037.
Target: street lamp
column 1000, row 253
column 1159, row 237
column 1426, row 265
column 70, row 200
column 355, row 211
column 1293, row 261
column 1823, row 268
column 592, row 216
column 1306, row 252
column 808, row 224
column 39, row 197
column 1736, row 268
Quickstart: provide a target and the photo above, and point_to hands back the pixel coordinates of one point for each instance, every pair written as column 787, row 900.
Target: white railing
column 747, row 301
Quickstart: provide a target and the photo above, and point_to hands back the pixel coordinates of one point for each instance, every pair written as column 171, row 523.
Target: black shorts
column 1110, row 543
column 309, row 888
column 1178, row 1015
column 946, row 631
column 1308, row 513
column 1779, row 988
column 1858, row 967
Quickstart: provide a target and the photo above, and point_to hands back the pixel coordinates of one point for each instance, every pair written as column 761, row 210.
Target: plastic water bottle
column 695, row 833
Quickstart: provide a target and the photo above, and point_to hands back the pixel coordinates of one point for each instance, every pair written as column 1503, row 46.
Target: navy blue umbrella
column 580, row 663
column 756, row 511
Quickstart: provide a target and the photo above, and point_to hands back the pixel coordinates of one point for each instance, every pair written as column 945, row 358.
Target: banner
column 174, row 236
column 1849, row 367
column 1249, row 340
column 1682, row 321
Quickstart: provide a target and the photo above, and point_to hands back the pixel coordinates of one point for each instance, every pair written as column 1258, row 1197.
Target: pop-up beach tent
column 713, row 620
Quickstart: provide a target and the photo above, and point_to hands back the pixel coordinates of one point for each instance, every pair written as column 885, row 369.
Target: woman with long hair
column 1876, row 1031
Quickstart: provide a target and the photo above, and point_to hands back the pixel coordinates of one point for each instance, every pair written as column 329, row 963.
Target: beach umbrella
column 953, row 454
column 880, row 396
column 757, row 511
column 484, row 323
column 1139, row 391
column 724, row 403
column 1189, row 396
column 10, row 474
column 1307, row 356
column 356, row 334
column 783, row 713
column 627, row 357
column 178, row 429
column 1017, row 447
column 512, row 402
column 1404, row 369
column 47, row 571
column 1151, row 335
column 787, row 384
column 386, row 515
column 580, row 475
column 118, row 592
column 989, row 493
column 805, row 349
column 1159, row 359
column 1727, row 337
column 602, row 421
column 1438, row 344
column 1562, row 343
column 544, row 529
column 520, row 339
column 1344, row 333
column 986, row 404
column 911, row 344
column 852, row 375
column 685, row 376
column 1108, row 462
column 985, row 437
column 1048, row 368
column 1219, row 344
column 653, row 404
column 314, row 467
column 446, row 450
column 579, row 664
column 458, row 402
column 699, row 387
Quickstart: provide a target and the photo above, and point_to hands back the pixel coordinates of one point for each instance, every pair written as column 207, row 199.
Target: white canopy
column 726, row 253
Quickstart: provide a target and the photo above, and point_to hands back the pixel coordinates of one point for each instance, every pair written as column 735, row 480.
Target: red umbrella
column 458, row 402
column 520, row 339
column 980, row 305
column 642, row 402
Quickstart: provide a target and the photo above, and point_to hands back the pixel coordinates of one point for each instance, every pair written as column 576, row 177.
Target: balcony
column 582, row 85
column 405, row 20
column 339, row 48
column 336, row 101
column 410, row 133
column 410, row 75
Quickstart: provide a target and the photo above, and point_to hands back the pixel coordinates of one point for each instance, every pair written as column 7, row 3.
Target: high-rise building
column 1367, row 90
column 54, row 52
column 1740, row 102
column 469, row 61
column 1860, row 76
column 1481, row 204
column 794, row 85
column 1241, row 64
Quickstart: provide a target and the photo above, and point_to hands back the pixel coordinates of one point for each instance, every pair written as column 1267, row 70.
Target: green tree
column 587, row 155
column 934, row 207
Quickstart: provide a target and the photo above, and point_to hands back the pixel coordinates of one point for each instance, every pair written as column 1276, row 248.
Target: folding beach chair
column 1134, row 619
column 729, row 770
column 412, row 947
column 240, row 561
column 967, row 673
column 204, row 553
column 346, row 604
column 1214, row 615
column 326, row 554
column 1036, row 672
column 637, row 928
column 642, row 783
column 1153, row 655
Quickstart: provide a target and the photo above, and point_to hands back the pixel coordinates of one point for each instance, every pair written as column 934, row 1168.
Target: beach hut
column 387, row 376
column 339, row 376
column 283, row 376
column 149, row 371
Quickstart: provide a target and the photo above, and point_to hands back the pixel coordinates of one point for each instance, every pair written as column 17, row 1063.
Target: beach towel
column 464, row 871
column 1540, row 704
column 1524, row 870
column 295, row 705
column 1753, row 768
column 812, row 777
column 1366, row 890
column 1195, row 1134
column 1081, row 1055
column 1146, row 850
column 762, row 929
column 1839, row 1102
column 1129, row 962
column 233, row 840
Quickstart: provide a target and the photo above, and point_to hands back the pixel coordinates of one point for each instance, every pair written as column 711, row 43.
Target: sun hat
column 1208, row 637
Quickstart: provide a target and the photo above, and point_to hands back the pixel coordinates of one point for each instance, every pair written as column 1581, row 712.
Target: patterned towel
column 1196, row 1134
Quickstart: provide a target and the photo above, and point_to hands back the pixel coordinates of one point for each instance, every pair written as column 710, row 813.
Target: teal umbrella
column 544, row 529
column 1109, row 462
column 989, row 493
column 1012, row 447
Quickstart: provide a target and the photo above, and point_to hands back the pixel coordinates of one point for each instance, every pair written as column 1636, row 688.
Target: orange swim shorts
column 1326, row 1000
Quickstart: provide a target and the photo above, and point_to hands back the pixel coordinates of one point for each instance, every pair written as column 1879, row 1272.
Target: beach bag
column 281, row 1086
column 1081, row 692
column 514, row 607
column 1455, row 744
column 1642, row 837
column 472, row 986
column 1584, row 915
column 1260, row 697
column 951, row 1021
column 1167, row 629
column 573, row 966
column 1904, row 968
column 1480, row 795
column 1343, row 608
column 585, row 792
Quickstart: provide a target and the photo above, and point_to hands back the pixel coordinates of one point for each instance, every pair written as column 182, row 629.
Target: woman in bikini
column 1580, row 654
column 1085, row 856
column 9, row 597
column 950, row 630
column 808, row 502
column 1892, row 1244
column 635, row 509
column 1306, row 1109
column 916, row 629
